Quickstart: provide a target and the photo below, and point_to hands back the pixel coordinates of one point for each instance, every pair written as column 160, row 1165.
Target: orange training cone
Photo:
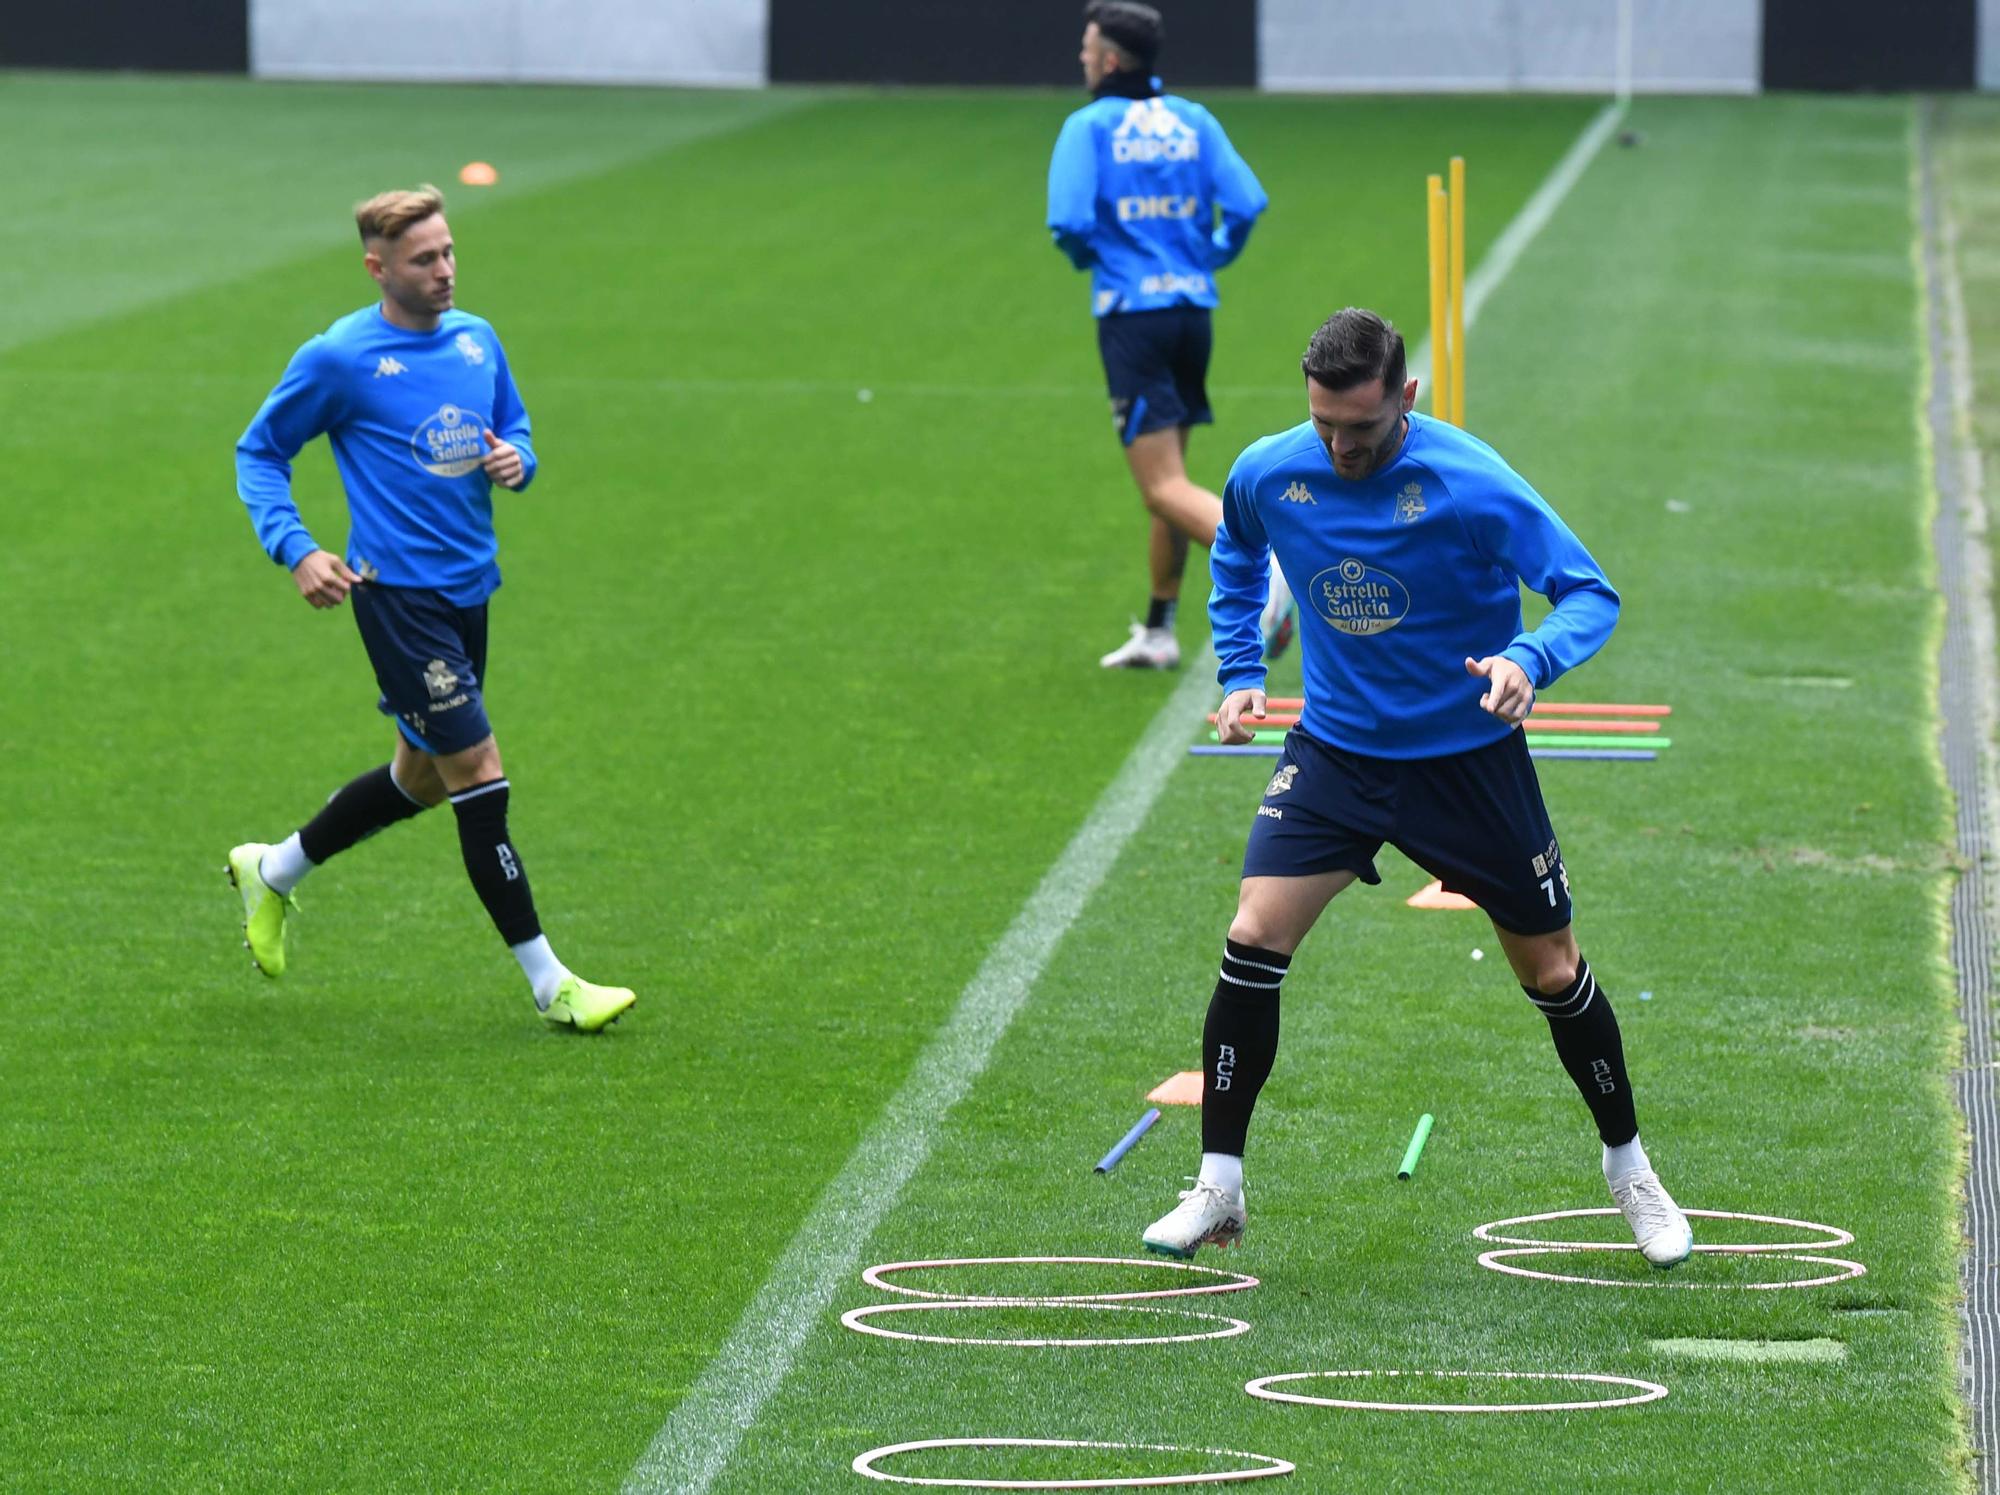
column 1184, row 1089
column 1433, row 895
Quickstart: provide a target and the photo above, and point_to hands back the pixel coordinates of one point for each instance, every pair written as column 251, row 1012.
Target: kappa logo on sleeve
column 389, row 368
column 1298, row 493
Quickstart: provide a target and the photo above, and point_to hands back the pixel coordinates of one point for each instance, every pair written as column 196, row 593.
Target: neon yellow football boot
column 586, row 1006
column 263, row 909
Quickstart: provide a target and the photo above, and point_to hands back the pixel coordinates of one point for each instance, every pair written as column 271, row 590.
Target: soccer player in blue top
column 1149, row 196
column 1410, row 540
column 424, row 419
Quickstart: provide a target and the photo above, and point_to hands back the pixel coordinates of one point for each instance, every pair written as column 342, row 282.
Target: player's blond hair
column 387, row 214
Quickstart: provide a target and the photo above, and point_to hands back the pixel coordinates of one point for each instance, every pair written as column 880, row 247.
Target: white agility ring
column 865, row 1464
column 857, row 1320
column 1232, row 1282
column 1835, row 1236
column 1649, row 1391
column 1492, row 1261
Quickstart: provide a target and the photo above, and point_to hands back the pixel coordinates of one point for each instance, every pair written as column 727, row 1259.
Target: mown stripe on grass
column 698, row 1439
column 172, row 162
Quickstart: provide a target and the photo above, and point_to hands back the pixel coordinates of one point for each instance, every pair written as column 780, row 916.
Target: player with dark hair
column 420, row 407
column 1412, row 540
column 1147, row 193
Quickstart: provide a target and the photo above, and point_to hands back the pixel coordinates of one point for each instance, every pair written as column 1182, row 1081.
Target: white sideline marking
column 702, row 1432
column 1534, row 216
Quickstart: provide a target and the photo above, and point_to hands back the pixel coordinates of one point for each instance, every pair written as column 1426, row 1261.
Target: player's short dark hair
column 1352, row 347
column 1135, row 29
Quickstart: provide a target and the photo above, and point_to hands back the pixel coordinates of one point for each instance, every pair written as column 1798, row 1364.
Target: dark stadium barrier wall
column 1209, row 42
column 1842, row 45
column 189, row 36
column 1804, row 44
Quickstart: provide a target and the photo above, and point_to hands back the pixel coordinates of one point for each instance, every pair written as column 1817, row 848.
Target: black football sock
column 1160, row 612
column 357, row 811
column 1586, row 1034
column 496, row 872
column 1239, row 1042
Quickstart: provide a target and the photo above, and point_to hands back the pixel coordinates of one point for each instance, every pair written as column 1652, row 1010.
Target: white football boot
column 1657, row 1222
column 1205, row 1215
column 1281, row 615
column 1146, row 649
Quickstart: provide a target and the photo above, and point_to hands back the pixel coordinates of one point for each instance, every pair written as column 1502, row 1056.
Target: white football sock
column 285, row 866
column 539, row 964
column 1224, row 1171
column 1619, row 1161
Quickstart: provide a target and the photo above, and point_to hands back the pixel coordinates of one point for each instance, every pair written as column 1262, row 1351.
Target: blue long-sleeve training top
column 405, row 413
column 1399, row 577
column 1150, row 197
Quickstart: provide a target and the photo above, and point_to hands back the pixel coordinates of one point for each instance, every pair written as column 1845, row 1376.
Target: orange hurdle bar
column 1535, row 723
column 1598, row 708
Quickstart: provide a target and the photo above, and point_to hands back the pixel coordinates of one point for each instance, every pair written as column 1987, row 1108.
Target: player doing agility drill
column 1409, row 540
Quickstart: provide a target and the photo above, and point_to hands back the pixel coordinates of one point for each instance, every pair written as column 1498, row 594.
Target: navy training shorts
column 429, row 656
column 1156, row 367
column 1473, row 820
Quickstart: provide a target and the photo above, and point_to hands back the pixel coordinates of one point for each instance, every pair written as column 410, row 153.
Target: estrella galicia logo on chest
column 449, row 442
column 1358, row 599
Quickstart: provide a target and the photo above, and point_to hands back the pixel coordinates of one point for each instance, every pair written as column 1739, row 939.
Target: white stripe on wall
column 702, row 43
column 1495, row 46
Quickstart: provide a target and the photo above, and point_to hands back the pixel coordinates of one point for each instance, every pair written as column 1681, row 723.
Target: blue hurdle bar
column 1260, row 750
column 1110, row 1160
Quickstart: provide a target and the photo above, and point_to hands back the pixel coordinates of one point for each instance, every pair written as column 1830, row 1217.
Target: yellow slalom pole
column 1440, row 289
column 1458, row 290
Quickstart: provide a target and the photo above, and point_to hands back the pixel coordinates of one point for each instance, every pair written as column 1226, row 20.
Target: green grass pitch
column 799, row 697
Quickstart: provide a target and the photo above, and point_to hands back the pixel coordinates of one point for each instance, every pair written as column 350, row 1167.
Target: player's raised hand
column 502, row 461
column 1229, row 719
column 1509, row 695
column 324, row 579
